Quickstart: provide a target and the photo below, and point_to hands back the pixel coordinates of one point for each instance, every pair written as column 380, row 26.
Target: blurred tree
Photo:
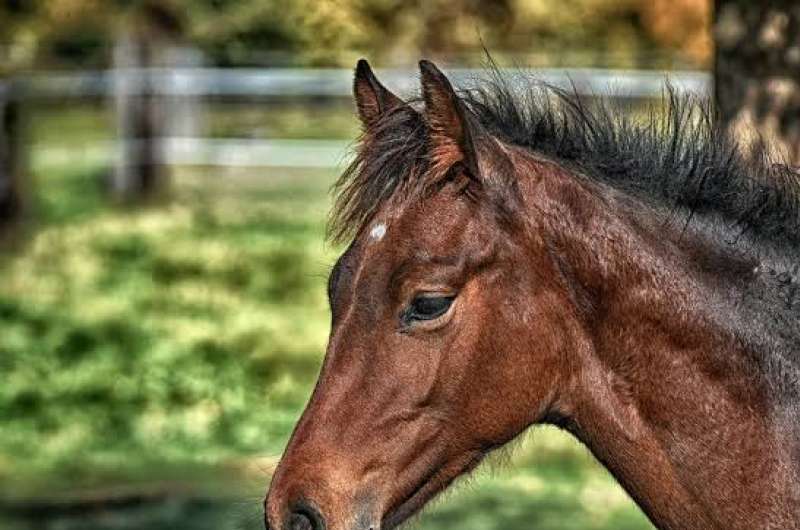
column 757, row 72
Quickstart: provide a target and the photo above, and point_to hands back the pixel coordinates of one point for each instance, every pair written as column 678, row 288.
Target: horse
column 519, row 255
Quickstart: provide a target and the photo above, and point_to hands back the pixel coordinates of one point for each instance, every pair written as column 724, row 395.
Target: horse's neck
column 688, row 437
column 665, row 396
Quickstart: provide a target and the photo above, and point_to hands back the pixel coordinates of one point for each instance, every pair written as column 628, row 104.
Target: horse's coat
column 636, row 284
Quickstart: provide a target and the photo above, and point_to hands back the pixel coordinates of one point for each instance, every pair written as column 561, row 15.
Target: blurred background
column 164, row 176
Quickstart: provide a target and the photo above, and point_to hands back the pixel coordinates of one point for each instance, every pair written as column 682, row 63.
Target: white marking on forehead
column 378, row 231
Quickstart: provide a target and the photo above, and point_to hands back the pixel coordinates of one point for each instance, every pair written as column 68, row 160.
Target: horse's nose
column 304, row 517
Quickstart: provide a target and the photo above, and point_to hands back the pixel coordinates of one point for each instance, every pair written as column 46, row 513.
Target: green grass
column 548, row 483
column 283, row 120
column 177, row 344
column 299, row 119
column 186, row 333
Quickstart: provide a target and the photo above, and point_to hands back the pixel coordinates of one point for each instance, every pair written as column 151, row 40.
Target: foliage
column 681, row 24
column 336, row 32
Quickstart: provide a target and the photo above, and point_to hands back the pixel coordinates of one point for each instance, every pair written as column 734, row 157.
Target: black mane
column 675, row 157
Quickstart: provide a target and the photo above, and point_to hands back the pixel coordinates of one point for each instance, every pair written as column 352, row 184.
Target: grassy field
column 167, row 352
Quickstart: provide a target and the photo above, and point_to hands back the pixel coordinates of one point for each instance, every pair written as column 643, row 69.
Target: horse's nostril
column 305, row 518
column 300, row 521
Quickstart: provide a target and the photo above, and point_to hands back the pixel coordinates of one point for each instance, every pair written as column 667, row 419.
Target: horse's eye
column 426, row 307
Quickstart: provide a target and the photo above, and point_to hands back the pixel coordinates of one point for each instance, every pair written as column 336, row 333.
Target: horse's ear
column 372, row 98
column 447, row 117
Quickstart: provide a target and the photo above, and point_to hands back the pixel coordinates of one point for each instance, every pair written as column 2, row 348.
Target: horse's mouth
column 413, row 501
column 438, row 479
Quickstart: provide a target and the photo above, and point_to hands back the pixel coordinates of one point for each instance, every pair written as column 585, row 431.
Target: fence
column 155, row 108
column 196, row 84
column 281, row 82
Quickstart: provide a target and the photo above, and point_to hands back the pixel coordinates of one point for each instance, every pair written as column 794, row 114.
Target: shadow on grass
column 137, row 513
column 490, row 507
column 71, row 194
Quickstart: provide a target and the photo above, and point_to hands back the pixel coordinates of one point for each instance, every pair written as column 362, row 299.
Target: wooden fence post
column 144, row 57
column 11, row 144
column 136, row 172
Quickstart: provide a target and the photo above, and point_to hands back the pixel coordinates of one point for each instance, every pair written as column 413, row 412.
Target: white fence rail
column 290, row 82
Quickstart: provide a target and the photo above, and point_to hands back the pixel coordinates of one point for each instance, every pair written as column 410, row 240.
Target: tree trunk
column 10, row 160
column 757, row 73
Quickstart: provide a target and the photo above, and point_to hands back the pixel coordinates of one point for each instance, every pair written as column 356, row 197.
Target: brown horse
column 523, row 257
